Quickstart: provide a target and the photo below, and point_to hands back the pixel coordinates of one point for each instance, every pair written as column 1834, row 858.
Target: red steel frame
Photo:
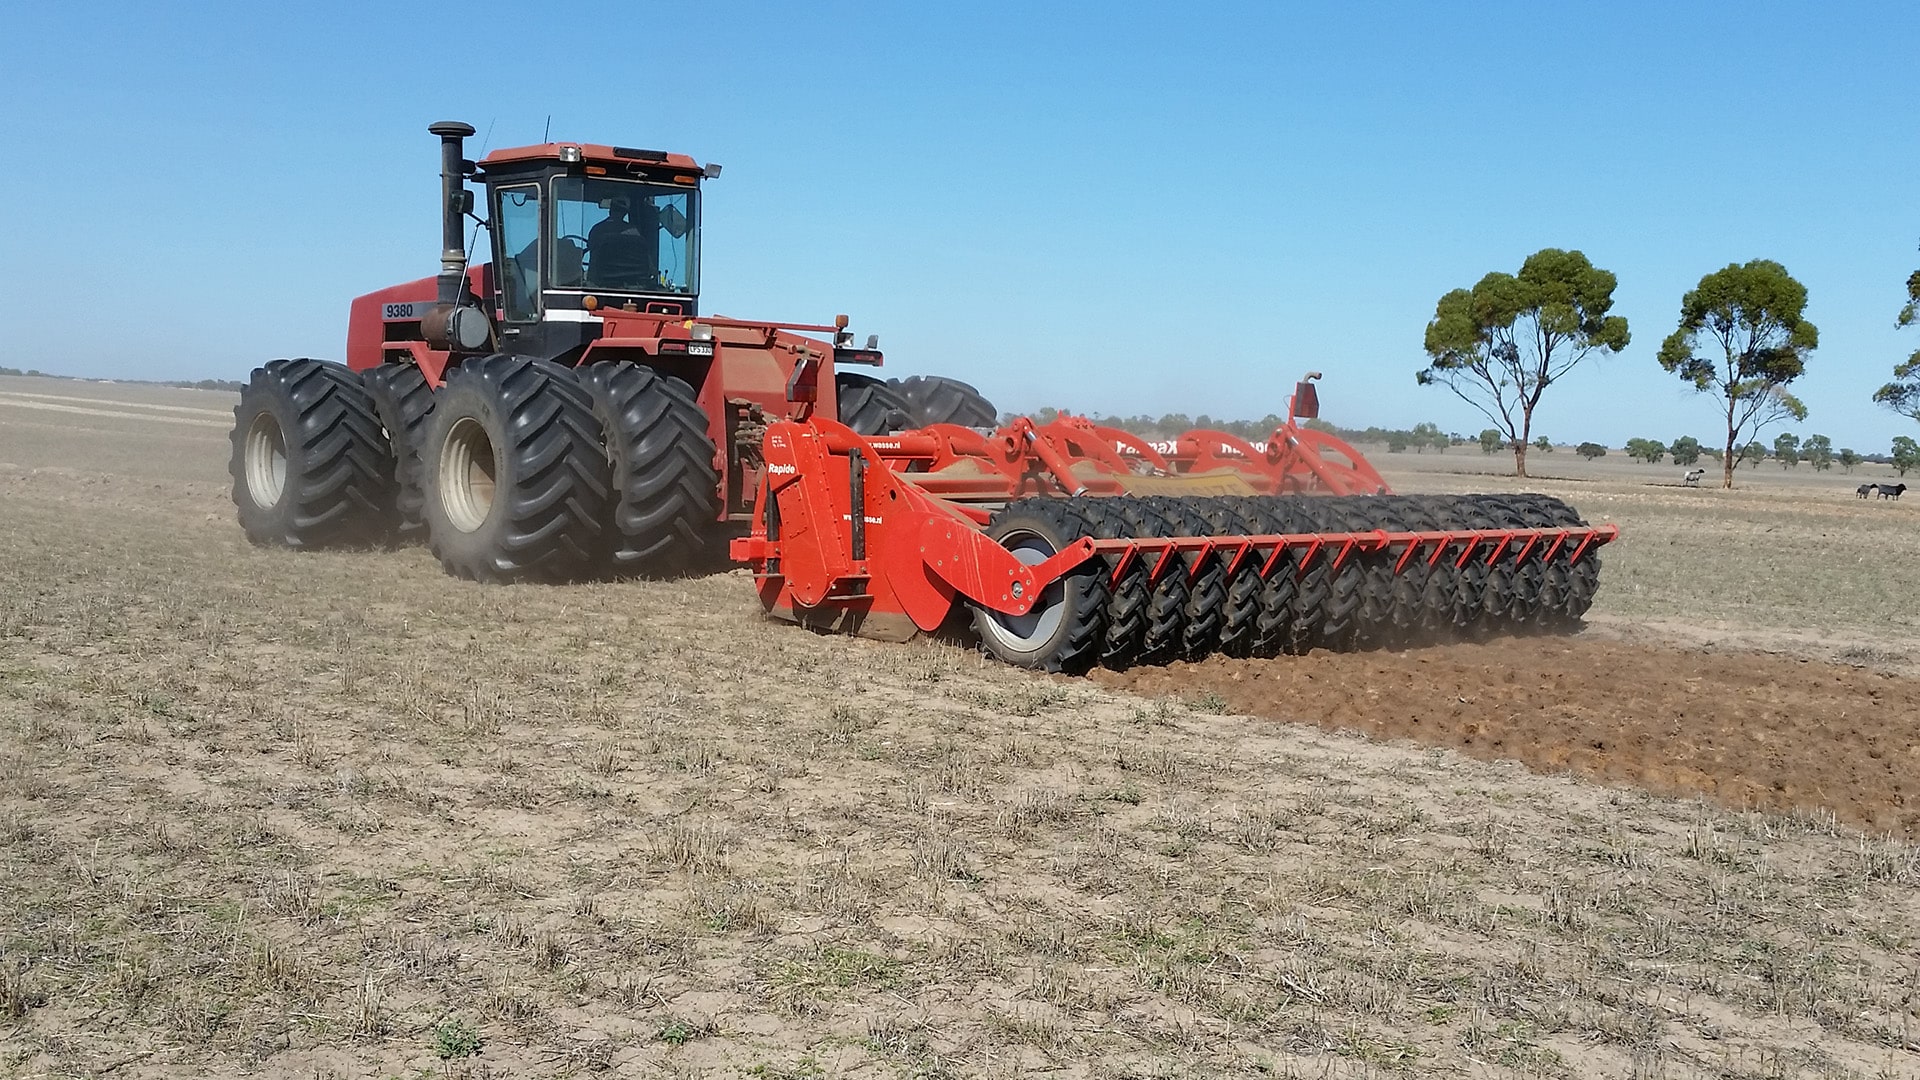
column 885, row 535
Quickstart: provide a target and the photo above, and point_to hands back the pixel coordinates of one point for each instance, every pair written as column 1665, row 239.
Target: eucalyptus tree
column 1752, row 318
column 1903, row 394
column 1500, row 344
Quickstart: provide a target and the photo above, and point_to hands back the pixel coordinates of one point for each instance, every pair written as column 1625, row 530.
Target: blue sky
column 1106, row 207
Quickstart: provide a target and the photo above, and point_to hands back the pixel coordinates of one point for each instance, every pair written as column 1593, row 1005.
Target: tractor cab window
column 623, row 236
column 517, row 219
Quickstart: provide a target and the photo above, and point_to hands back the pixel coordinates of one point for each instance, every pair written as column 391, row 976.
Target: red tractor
column 563, row 409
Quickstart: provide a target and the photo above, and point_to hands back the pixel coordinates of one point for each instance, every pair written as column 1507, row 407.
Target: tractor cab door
column 517, row 253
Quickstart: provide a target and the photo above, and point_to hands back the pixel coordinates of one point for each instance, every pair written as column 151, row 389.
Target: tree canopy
column 1906, row 453
column 1756, row 313
column 1817, row 451
column 1903, row 394
column 1647, row 450
column 1786, row 449
column 1499, row 345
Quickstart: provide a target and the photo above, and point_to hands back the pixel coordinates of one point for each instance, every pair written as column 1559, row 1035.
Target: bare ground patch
column 340, row 815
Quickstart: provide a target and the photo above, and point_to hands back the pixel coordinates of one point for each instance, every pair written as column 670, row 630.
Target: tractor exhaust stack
column 453, row 207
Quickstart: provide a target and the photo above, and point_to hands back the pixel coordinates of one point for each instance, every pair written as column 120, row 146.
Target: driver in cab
column 618, row 250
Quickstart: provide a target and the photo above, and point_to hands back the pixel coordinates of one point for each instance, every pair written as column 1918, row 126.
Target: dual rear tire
column 873, row 406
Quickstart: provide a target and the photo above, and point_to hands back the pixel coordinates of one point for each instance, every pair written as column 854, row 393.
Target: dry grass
column 339, row 815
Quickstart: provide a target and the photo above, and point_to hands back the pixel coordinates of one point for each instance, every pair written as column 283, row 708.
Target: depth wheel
column 1063, row 630
column 310, row 461
column 516, row 480
column 666, row 490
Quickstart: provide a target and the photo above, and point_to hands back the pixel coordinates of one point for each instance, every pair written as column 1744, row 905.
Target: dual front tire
column 538, row 472
column 310, row 458
column 515, row 470
column 516, row 483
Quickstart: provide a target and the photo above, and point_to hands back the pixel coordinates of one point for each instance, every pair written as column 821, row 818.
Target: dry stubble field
column 338, row 815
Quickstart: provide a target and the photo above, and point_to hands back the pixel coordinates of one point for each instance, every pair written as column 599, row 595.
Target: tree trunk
column 1520, row 459
column 1727, row 481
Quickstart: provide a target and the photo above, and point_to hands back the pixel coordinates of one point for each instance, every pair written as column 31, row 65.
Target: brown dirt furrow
column 1747, row 730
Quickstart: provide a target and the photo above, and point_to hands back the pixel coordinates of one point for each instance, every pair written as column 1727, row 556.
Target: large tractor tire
column 403, row 402
column 516, row 478
column 935, row 399
column 1063, row 631
column 666, row 488
column 871, row 406
column 310, row 461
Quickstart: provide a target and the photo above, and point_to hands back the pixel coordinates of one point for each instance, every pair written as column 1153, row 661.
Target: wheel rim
column 468, row 471
column 1030, row 632
column 266, row 461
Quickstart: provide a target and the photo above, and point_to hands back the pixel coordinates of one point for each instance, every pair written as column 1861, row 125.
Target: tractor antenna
column 548, row 130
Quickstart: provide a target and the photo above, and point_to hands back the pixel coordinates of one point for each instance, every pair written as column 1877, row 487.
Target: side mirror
column 675, row 222
column 466, row 201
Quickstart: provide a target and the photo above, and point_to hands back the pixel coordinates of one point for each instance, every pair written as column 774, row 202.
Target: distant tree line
column 231, row 385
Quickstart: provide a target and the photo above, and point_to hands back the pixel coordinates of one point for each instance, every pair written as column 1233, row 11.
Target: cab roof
column 622, row 157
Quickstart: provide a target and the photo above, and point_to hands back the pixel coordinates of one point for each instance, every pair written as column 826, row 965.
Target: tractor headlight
column 700, row 332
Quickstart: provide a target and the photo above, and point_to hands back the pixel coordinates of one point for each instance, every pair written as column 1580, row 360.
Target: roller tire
column 1395, row 602
column 870, row 406
column 1205, row 610
column 1329, row 599
column 403, row 401
column 1526, row 574
column 1240, row 614
column 1130, row 596
column 1436, row 583
column 532, row 423
column 935, row 399
column 1166, row 614
column 1373, row 620
column 665, row 487
column 1551, row 606
column 1072, row 644
column 1273, row 626
column 1312, row 586
column 1468, row 578
column 1583, row 577
column 311, row 464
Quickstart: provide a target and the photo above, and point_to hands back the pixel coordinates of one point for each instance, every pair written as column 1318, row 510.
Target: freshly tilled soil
column 1747, row 730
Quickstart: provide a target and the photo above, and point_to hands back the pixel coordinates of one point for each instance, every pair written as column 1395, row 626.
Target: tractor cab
column 579, row 228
